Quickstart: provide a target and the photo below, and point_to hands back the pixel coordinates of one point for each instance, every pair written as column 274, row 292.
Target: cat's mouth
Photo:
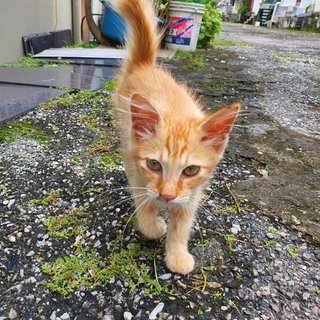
column 167, row 202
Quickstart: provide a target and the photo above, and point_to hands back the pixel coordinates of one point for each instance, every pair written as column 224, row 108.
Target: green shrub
column 211, row 25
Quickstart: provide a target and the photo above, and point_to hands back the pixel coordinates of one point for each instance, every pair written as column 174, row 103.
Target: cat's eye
column 154, row 165
column 191, row 171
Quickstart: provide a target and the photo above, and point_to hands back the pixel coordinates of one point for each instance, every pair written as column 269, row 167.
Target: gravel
column 249, row 265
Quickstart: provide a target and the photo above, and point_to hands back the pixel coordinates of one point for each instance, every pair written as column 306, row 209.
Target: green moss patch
column 47, row 200
column 89, row 269
column 11, row 131
column 66, row 225
column 193, row 60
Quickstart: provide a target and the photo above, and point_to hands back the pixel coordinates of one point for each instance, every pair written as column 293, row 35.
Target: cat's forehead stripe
column 176, row 145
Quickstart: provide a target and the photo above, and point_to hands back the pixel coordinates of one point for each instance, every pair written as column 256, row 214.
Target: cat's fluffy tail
column 143, row 39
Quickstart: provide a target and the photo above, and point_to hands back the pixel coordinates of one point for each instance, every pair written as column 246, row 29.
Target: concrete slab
column 61, row 76
column 93, row 53
column 19, row 99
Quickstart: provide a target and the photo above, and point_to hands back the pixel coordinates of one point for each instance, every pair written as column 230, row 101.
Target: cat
column 170, row 145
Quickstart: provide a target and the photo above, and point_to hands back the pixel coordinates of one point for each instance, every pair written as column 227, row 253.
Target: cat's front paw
column 180, row 262
column 154, row 230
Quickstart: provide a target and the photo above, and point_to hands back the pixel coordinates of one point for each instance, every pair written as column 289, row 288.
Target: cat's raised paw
column 154, row 230
column 180, row 262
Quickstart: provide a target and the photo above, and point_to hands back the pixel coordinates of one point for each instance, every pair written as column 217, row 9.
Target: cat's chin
column 173, row 203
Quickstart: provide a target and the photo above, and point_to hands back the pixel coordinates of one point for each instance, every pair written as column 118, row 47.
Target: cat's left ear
column 144, row 117
column 217, row 125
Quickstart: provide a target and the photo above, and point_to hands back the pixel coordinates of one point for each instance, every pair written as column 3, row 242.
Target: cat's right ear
column 144, row 117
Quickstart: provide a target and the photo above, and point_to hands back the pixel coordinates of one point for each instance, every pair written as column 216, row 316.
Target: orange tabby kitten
column 170, row 145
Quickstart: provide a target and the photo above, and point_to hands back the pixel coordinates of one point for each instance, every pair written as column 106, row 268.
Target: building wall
column 23, row 17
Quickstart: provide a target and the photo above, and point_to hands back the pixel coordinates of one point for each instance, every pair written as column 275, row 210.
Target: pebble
column 165, row 276
column 12, row 314
column 53, row 315
column 11, row 238
column 127, row 315
column 235, row 228
column 65, row 316
column 155, row 311
column 10, row 203
column 306, row 296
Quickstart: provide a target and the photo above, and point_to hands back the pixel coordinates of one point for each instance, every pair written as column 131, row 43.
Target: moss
column 293, row 251
column 87, row 45
column 110, row 161
column 88, row 269
column 29, row 62
column 14, row 129
column 193, row 60
column 47, row 200
column 66, row 225
column 3, row 189
column 70, row 273
column 110, row 85
column 231, row 43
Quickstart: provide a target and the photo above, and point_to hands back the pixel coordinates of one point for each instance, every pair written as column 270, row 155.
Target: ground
column 69, row 248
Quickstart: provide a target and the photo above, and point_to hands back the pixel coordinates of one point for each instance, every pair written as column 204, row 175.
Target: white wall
column 23, row 17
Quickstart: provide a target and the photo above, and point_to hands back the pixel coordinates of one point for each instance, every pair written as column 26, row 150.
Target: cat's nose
column 167, row 197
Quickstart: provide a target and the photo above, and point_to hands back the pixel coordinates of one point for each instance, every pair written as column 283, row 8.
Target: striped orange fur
column 170, row 145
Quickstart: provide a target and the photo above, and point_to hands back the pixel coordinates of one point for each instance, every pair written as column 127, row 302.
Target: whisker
column 146, row 200
column 120, row 201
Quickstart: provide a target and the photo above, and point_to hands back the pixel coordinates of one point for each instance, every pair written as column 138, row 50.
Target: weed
column 3, row 189
column 87, row 269
column 75, row 160
column 217, row 295
column 10, row 131
column 29, row 62
column 91, row 190
column 74, row 99
column 55, row 129
column 91, row 121
column 227, row 210
column 87, row 45
column 110, row 85
column 192, row 59
column 231, row 304
column 270, row 243
column 124, row 264
column 47, row 200
column 200, row 312
column 66, row 225
column 317, row 291
column 230, row 43
column 293, row 251
column 272, row 230
column 203, row 244
column 110, row 161
column 98, row 146
column 230, row 238
column 70, row 273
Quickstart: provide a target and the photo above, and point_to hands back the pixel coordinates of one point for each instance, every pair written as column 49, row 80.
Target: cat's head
column 176, row 158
